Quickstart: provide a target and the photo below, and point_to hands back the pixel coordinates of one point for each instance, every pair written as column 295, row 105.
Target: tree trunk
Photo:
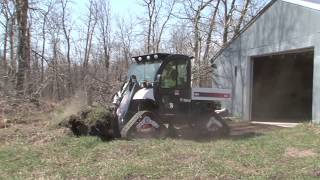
column 23, row 55
column 43, row 46
column 227, row 18
column 12, row 49
column 5, row 63
column 209, row 37
column 67, row 37
column 151, row 4
column 243, row 14
column 29, row 83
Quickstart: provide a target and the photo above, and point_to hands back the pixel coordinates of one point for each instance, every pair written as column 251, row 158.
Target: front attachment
column 214, row 126
column 144, row 124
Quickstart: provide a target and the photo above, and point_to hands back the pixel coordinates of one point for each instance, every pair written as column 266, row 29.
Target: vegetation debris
column 92, row 121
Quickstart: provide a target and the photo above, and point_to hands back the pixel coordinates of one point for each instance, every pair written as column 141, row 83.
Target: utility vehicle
column 158, row 98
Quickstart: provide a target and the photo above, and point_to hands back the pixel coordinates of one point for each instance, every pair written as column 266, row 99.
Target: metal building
column 273, row 65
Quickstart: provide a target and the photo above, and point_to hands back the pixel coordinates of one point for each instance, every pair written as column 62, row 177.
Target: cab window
column 169, row 76
column 174, row 75
column 182, row 74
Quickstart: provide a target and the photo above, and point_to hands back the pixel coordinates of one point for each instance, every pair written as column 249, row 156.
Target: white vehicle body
column 144, row 93
column 211, row 94
column 197, row 94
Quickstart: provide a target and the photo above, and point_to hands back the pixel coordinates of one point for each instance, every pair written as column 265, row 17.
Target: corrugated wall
column 283, row 27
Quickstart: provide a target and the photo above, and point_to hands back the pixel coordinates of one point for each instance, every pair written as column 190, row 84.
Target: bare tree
column 66, row 33
column 193, row 11
column 23, row 40
column 159, row 14
column 6, row 13
column 211, row 29
column 169, row 6
column 45, row 14
column 12, row 30
column 91, row 24
column 125, row 32
column 228, row 12
column 243, row 13
column 104, row 23
column 151, row 6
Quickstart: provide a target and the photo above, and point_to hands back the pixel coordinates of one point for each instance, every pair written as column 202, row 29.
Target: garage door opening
column 282, row 87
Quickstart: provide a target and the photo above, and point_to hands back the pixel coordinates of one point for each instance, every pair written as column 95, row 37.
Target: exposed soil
column 26, row 120
column 35, row 132
column 238, row 130
column 247, row 128
column 317, row 173
column 19, row 111
column 299, row 153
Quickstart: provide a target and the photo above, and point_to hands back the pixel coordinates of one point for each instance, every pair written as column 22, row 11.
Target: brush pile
column 92, row 121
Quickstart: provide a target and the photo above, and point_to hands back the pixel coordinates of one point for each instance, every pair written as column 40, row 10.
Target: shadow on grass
column 201, row 138
column 238, row 131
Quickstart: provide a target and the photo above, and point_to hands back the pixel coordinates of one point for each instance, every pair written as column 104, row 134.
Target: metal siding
column 316, row 86
column 283, row 27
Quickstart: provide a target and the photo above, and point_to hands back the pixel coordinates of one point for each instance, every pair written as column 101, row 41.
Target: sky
column 125, row 8
column 119, row 8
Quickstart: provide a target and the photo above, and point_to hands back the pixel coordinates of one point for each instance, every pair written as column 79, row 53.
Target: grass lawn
column 281, row 154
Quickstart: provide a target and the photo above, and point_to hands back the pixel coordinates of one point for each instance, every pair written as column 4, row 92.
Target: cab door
column 174, row 86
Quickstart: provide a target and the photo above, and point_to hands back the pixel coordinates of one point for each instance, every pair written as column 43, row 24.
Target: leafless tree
column 212, row 27
column 159, row 14
column 6, row 13
column 91, row 25
column 243, row 13
column 104, row 23
column 45, row 14
column 66, row 33
column 194, row 14
column 23, row 40
column 125, row 32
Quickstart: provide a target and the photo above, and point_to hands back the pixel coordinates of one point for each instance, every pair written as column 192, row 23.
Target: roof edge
column 307, row 4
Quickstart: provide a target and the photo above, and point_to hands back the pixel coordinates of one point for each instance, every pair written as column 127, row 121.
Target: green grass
column 257, row 157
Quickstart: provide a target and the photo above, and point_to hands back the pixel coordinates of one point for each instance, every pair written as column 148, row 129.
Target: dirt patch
column 241, row 168
column 136, row 177
column 35, row 122
column 31, row 122
column 36, row 132
column 16, row 111
column 316, row 173
column 299, row 153
column 247, row 128
column 2, row 123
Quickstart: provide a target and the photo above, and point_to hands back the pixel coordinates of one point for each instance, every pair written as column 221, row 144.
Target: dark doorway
column 282, row 87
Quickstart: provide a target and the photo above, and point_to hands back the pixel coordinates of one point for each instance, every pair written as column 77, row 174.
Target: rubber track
column 130, row 123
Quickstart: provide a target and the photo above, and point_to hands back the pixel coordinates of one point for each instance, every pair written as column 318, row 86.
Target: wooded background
column 46, row 53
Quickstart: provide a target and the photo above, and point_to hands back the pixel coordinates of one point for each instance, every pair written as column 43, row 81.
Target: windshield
column 145, row 71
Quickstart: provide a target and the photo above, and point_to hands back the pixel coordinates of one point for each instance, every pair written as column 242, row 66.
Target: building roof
column 312, row 4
